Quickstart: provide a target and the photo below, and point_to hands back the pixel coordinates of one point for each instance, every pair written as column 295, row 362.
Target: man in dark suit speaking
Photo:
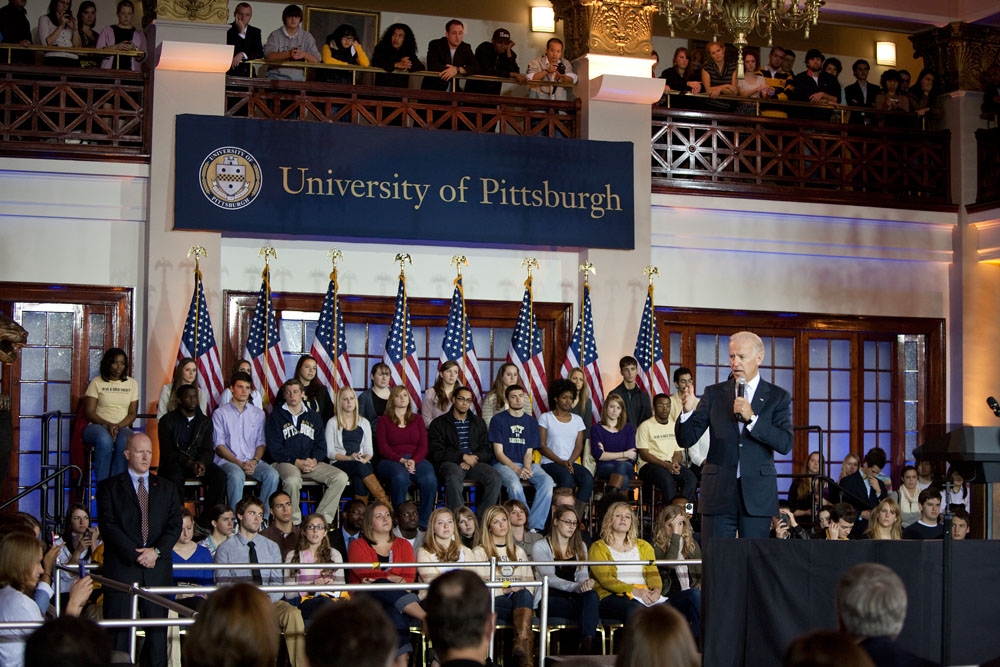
column 140, row 519
column 748, row 420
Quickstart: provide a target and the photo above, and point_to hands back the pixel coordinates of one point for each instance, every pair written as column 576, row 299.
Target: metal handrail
column 39, row 484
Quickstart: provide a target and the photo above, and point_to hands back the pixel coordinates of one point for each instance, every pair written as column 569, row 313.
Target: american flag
column 653, row 377
column 198, row 343
column 461, row 349
column 264, row 345
column 526, row 354
column 591, row 366
column 400, row 350
column 329, row 346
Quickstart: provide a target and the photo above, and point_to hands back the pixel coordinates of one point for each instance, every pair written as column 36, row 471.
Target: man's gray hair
column 758, row 344
column 871, row 602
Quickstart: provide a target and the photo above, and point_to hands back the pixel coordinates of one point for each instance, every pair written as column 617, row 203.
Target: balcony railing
column 790, row 159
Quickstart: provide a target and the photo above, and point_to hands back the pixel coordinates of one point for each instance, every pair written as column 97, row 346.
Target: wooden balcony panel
column 734, row 155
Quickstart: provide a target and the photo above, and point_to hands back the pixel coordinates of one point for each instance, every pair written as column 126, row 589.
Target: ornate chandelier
column 740, row 18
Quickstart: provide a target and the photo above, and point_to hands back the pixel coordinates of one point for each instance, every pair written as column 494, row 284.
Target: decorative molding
column 612, row 27
column 959, row 53
column 200, row 11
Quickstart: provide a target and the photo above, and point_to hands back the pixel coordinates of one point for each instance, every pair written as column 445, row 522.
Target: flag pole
column 267, row 252
column 335, row 255
column 531, row 263
column 651, row 272
column 198, row 252
column 587, row 268
column 458, row 261
column 403, row 258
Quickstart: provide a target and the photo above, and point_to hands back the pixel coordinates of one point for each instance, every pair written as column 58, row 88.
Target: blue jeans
column 265, row 475
column 506, row 604
column 109, row 455
column 619, row 608
column 582, row 478
column 543, row 484
column 605, row 469
column 683, row 483
column 688, row 603
column 357, row 471
column 399, row 484
column 580, row 607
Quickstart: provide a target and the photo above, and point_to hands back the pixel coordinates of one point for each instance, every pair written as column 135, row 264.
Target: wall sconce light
column 885, row 53
column 543, row 19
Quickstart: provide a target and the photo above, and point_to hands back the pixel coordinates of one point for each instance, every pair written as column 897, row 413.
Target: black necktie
column 258, row 580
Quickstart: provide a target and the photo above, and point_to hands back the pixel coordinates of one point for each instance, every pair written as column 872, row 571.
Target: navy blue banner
column 271, row 178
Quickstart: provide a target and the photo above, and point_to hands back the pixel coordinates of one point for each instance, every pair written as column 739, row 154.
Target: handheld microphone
column 994, row 406
column 741, row 392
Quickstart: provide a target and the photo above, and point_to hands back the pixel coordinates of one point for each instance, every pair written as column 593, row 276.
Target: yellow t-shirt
column 113, row 398
column 658, row 438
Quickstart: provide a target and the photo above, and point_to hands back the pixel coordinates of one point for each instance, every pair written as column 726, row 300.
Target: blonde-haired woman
column 886, row 522
column 623, row 589
column 673, row 539
column 185, row 372
column 496, row 399
column 402, row 441
column 349, row 446
column 442, row 547
column 513, row 603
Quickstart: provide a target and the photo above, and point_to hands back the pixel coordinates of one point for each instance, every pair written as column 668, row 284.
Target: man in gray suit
column 748, row 420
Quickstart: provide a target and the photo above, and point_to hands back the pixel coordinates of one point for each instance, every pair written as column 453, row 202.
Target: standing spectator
column 86, row 24
column 638, row 407
column 778, row 80
column 861, row 93
column 140, row 520
column 718, row 77
column 349, row 446
column 891, row 99
column 245, row 40
column 816, row 86
column 402, row 442
column 991, row 90
column 58, row 27
column 123, row 37
column 342, row 47
column 904, row 81
column 238, row 430
column 834, row 67
column 290, row 43
column 15, row 29
column 496, row 58
column 680, row 79
column 396, row 53
column 452, row 57
column 110, row 405
column 551, row 67
column 788, row 62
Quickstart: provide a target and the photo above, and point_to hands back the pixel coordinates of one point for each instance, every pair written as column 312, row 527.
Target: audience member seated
column 459, row 621
column 496, row 58
column 660, row 458
column 871, row 609
column 438, row 397
column 612, row 444
column 886, row 522
column 187, row 448
column 551, row 67
column 352, row 520
column 223, row 522
column 518, row 513
column 452, row 57
column 561, row 434
column 927, row 526
column 296, row 442
column 349, row 446
column 924, row 94
column 864, row 490
column 185, row 372
column 78, row 542
column 823, row 522
column 907, row 496
column 373, row 401
column 842, row 519
column 111, row 404
column 513, row 603
column 442, row 548
column 571, row 590
column 680, row 79
column 244, row 547
column 354, row 633
column 458, row 447
column 254, row 398
column 820, row 648
column 342, row 47
column 563, row 497
column 123, row 37
column 956, row 490
column 86, row 24
column 785, row 527
column 246, row 42
column 379, row 546
column 960, row 523
column 673, row 539
column 396, row 53
column 718, row 77
column 496, row 399
column 468, row 527
column 68, row 641
column 815, row 86
column 624, row 589
column 187, row 552
column 290, row 42
column 235, row 627
column 313, row 547
column 315, row 395
column 20, row 573
column 16, row 29
column 657, row 636
column 408, row 525
column 801, row 498
column 281, row 530
column 402, row 442
column 861, row 93
column 753, row 84
column 240, row 443
column 583, row 406
column 892, row 100
column 58, row 27
column 778, row 80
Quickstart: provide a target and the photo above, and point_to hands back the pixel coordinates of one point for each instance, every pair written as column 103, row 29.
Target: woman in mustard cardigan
column 623, row 589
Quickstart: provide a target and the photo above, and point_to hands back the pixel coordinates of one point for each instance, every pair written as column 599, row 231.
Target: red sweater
column 363, row 552
column 395, row 443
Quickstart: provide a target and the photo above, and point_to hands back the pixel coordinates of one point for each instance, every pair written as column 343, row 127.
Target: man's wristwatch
column 156, row 550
